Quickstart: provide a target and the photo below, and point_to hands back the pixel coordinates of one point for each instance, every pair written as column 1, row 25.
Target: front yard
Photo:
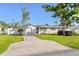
column 70, row 41
column 6, row 40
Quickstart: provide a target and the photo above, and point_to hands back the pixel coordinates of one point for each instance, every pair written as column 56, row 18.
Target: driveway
column 61, row 53
column 35, row 46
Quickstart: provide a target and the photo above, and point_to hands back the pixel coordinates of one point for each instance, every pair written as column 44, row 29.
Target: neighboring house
column 74, row 29
column 0, row 30
column 10, row 31
column 77, row 31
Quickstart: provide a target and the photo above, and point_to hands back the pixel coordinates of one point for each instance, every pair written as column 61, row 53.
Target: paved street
column 35, row 46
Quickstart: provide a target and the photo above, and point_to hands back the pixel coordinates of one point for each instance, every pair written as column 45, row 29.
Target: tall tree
column 25, row 18
column 65, row 12
column 16, row 25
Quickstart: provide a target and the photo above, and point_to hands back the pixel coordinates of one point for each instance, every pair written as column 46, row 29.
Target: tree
column 65, row 12
column 3, row 24
column 16, row 25
column 25, row 18
column 20, row 31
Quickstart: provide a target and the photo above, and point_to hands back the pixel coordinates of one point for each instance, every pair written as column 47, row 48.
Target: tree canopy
column 25, row 16
column 3, row 24
column 65, row 11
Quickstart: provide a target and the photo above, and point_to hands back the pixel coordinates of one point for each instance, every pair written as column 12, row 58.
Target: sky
column 13, row 11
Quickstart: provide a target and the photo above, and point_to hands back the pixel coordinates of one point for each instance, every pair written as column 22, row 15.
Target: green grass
column 6, row 40
column 70, row 41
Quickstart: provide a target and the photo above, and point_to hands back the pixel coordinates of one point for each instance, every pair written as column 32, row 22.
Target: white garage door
column 30, row 31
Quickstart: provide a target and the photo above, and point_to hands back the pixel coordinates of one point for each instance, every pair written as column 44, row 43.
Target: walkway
column 33, row 45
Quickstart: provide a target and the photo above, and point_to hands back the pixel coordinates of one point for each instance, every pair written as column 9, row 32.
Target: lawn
column 70, row 41
column 6, row 40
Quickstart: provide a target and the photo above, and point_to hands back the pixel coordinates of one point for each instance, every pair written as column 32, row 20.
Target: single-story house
column 74, row 29
column 46, row 29
column 30, row 29
column 0, row 29
column 10, row 31
column 40, row 29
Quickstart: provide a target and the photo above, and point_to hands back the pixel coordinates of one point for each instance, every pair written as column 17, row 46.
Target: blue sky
column 37, row 13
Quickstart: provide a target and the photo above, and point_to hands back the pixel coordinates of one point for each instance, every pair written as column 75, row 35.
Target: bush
column 67, row 33
column 74, row 33
column 20, row 31
column 60, row 32
column 3, row 33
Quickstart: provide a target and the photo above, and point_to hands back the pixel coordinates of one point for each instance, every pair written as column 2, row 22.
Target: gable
column 30, row 26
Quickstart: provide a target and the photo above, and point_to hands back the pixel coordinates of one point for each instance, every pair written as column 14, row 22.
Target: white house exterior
column 0, row 30
column 30, row 30
column 47, row 31
column 10, row 31
column 40, row 29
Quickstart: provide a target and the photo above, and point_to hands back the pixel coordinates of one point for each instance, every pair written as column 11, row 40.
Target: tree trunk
column 63, row 30
column 64, row 27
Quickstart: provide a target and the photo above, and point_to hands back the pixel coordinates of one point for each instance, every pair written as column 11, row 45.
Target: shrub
column 68, row 33
column 74, row 33
column 20, row 31
column 60, row 32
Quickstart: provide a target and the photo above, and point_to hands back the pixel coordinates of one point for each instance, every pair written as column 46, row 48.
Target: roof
column 45, row 26
column 29, row 24
column 48, row 26
column 53, row 26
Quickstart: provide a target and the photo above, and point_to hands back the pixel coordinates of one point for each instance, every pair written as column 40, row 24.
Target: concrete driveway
column 60, row 53
column 34, row 46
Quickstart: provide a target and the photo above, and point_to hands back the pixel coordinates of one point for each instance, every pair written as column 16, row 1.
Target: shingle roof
column 48, row 26
column 53, row 26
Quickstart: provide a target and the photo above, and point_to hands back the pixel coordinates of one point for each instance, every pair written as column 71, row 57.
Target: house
column 11, row 31
column 40, row 29
column 74, row 29
column 0, row 30
column 30, row 29
column 47, row 29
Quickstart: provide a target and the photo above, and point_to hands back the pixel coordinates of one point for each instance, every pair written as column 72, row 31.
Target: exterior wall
column 0, row 30
column 11, row 31
column 51, row 31
column 48, row 31
column 77, row 31
column 41, row 31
